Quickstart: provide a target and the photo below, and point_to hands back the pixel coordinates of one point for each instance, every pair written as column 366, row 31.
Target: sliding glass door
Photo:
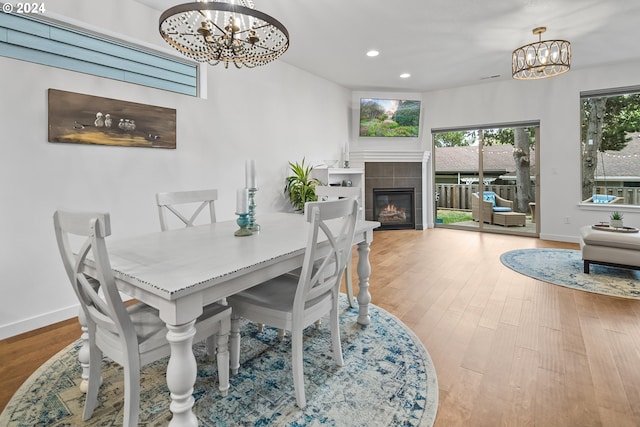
column 485, row 178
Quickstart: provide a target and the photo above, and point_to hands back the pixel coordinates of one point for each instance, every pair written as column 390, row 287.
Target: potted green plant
column 301, row 187
column 616, row 220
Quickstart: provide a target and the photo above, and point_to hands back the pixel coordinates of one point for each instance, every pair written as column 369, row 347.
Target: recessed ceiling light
column 373, row 53
column 405, row 75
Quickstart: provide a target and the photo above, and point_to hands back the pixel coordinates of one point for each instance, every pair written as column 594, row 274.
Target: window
column 496, row 159
column 44, row 43
column 610, row 139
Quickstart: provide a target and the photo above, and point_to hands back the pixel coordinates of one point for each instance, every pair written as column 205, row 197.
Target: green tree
column 370, row 110
column 522, row 139
column 407, row 113
column 507, row 136
column 451, row 139
column 522, row 157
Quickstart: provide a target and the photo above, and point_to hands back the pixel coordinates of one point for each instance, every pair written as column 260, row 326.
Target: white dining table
column 181, row 271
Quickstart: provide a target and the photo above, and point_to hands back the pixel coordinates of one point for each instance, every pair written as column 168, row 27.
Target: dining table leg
column 181, row 374
column 364, row 270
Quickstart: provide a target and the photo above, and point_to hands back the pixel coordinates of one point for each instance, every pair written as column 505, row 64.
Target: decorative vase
column 616, row 223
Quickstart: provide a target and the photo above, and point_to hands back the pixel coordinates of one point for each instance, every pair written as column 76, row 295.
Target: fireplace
column 394, row 208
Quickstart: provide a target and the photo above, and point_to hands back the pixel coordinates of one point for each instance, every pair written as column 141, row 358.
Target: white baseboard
column 46, row 319
column 560, row 238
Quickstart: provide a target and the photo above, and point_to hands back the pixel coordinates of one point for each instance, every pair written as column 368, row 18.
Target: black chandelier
column 227, row 31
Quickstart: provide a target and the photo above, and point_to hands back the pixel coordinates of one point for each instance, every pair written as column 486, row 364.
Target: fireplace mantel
column 424, row 190
column 389, row 156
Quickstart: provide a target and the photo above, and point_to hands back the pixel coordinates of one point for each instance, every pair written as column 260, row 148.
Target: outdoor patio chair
column 491, row 203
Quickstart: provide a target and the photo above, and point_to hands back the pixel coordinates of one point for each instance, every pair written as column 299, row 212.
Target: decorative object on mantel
column 250, row 183
column 345, row 156
column 227, row 31
column 541, row 59
column 616, row 220
column 301, row 187
column 85, row 119
column 242, row 210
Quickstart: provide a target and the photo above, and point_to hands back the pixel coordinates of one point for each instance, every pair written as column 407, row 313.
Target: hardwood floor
column 508, row 350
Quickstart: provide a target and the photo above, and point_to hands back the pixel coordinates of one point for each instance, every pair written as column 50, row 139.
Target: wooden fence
column 458, row 196
column 631, row 195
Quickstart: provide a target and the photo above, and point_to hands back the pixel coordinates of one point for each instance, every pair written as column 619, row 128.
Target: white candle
column 250, row 173
column 346, row 152
column 242, row 200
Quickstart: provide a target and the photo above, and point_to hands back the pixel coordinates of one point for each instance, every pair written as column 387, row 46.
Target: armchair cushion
column 501, row 209
column 489, row 196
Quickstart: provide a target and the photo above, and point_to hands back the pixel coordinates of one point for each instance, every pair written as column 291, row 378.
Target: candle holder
column 253, row 225
column 243, row 223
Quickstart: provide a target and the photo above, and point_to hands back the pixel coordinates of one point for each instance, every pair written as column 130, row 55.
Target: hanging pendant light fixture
column 541, row 59
column 227, row 31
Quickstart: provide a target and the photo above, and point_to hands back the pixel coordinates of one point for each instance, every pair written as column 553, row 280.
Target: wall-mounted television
column 389, row 117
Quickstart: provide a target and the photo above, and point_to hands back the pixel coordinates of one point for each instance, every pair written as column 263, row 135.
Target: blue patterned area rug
column 388, row 379
column 564, row 267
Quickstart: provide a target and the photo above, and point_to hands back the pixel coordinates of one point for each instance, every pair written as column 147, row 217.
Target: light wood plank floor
column 508, row 350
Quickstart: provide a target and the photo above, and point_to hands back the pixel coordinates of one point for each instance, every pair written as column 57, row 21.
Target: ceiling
column 442, row 43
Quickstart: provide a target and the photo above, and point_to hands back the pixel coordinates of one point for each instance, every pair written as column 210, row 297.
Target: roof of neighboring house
column 623, row 163
column 499, row 159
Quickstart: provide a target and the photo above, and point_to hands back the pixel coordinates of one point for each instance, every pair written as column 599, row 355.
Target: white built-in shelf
column 336, row 176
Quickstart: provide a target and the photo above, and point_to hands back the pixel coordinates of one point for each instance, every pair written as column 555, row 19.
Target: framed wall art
column 84, row 119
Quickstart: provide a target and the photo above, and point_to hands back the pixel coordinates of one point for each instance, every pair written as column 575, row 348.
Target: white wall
column 272, row 114
column 555, row 102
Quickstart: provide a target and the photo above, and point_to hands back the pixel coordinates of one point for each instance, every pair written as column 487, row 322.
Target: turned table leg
column 364, row 270
column 181, row 374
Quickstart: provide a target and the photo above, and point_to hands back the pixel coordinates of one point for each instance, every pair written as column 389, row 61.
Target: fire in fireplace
column 394, row 208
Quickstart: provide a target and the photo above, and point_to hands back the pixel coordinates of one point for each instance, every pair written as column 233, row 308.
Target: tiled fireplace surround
column 395, row 170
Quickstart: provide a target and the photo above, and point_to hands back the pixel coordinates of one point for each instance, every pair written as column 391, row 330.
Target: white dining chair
column 183, row 204
column 294, row 302
column 130, row 335
column 179, row 202
column 330, row 192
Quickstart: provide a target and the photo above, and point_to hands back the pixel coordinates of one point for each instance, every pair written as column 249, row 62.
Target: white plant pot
column 616, row 223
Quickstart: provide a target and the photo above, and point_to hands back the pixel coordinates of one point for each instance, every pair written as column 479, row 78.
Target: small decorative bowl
column 330, row 163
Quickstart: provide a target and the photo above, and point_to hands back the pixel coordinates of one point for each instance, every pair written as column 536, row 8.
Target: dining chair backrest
column 131, row 335
column 200, row 199
column 335, row 192
column 108, row 311
column 331, row 231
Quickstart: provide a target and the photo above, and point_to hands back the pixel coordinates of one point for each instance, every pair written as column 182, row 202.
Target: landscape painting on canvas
column 389, row 117
column 84, row 119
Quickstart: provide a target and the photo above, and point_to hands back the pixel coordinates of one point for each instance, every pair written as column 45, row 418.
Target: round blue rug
column 388, row 379
column 564, row 267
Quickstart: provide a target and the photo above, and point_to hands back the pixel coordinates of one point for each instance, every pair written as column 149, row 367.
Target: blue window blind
column 36, row 41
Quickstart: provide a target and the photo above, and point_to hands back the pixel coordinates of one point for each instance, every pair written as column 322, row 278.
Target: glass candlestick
column 243, row 223
column 253, row 225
